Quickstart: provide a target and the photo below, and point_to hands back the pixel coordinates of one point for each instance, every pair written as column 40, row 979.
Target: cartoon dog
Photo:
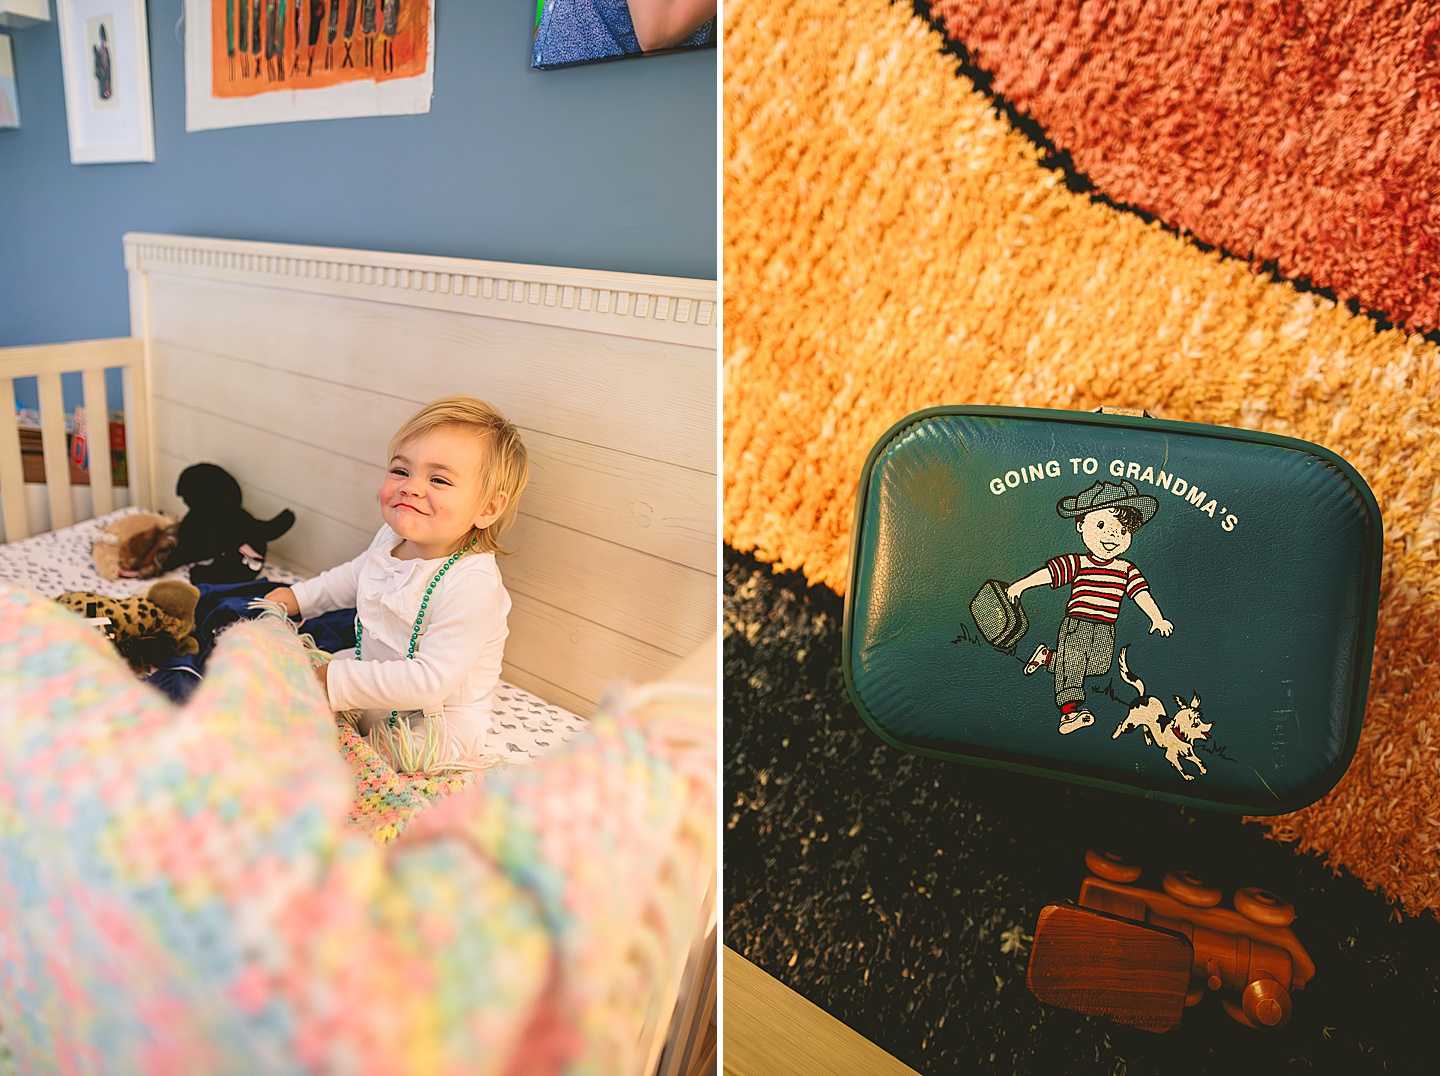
column 1177, row 735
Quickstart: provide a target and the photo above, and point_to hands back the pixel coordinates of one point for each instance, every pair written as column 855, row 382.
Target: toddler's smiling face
column 431, row 493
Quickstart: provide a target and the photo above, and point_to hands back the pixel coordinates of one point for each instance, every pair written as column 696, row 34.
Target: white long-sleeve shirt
column 456, row 668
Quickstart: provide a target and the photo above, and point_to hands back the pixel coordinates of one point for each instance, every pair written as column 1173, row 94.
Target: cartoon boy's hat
column 1108, row 495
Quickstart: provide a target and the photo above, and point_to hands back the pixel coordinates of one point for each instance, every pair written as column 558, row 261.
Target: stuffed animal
column 134, row 546
column 219, row 530
column 140, row 627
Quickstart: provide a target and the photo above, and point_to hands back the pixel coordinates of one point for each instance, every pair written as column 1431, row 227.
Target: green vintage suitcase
column 1200, row 602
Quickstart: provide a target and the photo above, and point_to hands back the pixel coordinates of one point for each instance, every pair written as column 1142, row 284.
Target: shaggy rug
column 900, row 893
column 892, row 241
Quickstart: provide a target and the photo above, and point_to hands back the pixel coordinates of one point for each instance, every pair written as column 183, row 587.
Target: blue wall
column 600, row 166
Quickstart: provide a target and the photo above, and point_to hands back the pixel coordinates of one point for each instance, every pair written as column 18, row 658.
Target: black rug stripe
column 1058, row 159
column 883, row 886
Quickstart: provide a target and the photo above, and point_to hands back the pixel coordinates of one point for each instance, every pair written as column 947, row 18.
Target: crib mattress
column 525, row 726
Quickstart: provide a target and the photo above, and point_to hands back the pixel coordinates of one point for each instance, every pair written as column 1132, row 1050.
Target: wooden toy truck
column 1140, row 956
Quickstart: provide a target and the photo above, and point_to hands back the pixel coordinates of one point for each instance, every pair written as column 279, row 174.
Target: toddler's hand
column 321, row 674
column 1013, row 592
column 1163, row 626
column 286, row 597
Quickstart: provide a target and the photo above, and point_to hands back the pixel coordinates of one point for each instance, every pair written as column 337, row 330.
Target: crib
column 289, row 366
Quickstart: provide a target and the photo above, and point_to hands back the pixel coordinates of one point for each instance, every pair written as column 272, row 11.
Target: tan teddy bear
column 134, row 546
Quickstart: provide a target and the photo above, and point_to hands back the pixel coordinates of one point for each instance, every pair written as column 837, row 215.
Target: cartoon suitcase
column 1003, row 622
column 1199, row 602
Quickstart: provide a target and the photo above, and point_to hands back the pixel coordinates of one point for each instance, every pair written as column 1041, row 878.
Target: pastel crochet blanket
column 386, row 801
column 181, row 891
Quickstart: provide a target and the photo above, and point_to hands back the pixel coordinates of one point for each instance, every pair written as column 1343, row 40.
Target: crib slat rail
column 47, row 363
column 102, row 497
column 12, row 471
column 57, row 458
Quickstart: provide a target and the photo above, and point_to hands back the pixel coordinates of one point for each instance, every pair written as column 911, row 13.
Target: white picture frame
column 105, row 58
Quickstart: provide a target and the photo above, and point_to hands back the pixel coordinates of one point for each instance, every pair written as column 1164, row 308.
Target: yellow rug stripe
column 891, row 244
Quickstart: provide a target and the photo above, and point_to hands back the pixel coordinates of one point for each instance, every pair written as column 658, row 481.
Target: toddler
column 430, row 625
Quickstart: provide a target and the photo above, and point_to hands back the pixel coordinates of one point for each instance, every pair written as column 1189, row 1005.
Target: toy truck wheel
column 1111, row 866
column 1188, row 889
column 1263, row 907
column 1266, row 1003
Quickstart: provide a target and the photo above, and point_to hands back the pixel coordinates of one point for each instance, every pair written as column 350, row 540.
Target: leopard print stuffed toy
column 161, row 623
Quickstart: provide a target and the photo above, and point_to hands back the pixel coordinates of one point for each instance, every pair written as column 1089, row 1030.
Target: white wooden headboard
column 291, row 367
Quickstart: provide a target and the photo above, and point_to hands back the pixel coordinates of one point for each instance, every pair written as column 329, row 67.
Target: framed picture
column 584, row 31
column 9, row 100
column 105, row 55
column 269, row 61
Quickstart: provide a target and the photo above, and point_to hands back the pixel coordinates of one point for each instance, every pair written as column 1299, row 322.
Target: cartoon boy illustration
column 1107, row 516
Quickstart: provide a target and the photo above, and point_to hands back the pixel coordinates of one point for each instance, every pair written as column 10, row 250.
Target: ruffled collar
column 399, row 587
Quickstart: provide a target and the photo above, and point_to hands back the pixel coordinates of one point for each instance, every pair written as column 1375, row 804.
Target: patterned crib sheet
column 525, row 726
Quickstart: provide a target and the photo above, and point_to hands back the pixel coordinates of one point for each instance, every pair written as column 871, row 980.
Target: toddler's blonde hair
column 507, row 464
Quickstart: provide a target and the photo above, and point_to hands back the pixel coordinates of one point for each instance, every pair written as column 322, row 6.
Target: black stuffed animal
column 218, row 529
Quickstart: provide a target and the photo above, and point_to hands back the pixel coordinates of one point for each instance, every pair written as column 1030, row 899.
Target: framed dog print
column 105, row 56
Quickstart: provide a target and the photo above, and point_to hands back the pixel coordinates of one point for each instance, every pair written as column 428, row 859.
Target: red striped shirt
column 1098, row 586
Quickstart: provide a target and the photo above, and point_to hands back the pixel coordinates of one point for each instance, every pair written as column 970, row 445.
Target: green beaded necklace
column 415, row 634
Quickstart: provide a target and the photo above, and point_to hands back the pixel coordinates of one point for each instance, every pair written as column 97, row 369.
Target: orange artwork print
column 259, row 46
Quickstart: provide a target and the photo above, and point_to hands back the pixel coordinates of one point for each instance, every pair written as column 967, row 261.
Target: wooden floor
column 772, row 1031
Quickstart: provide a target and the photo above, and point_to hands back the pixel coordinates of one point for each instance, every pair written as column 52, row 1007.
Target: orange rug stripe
column 891, row 244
